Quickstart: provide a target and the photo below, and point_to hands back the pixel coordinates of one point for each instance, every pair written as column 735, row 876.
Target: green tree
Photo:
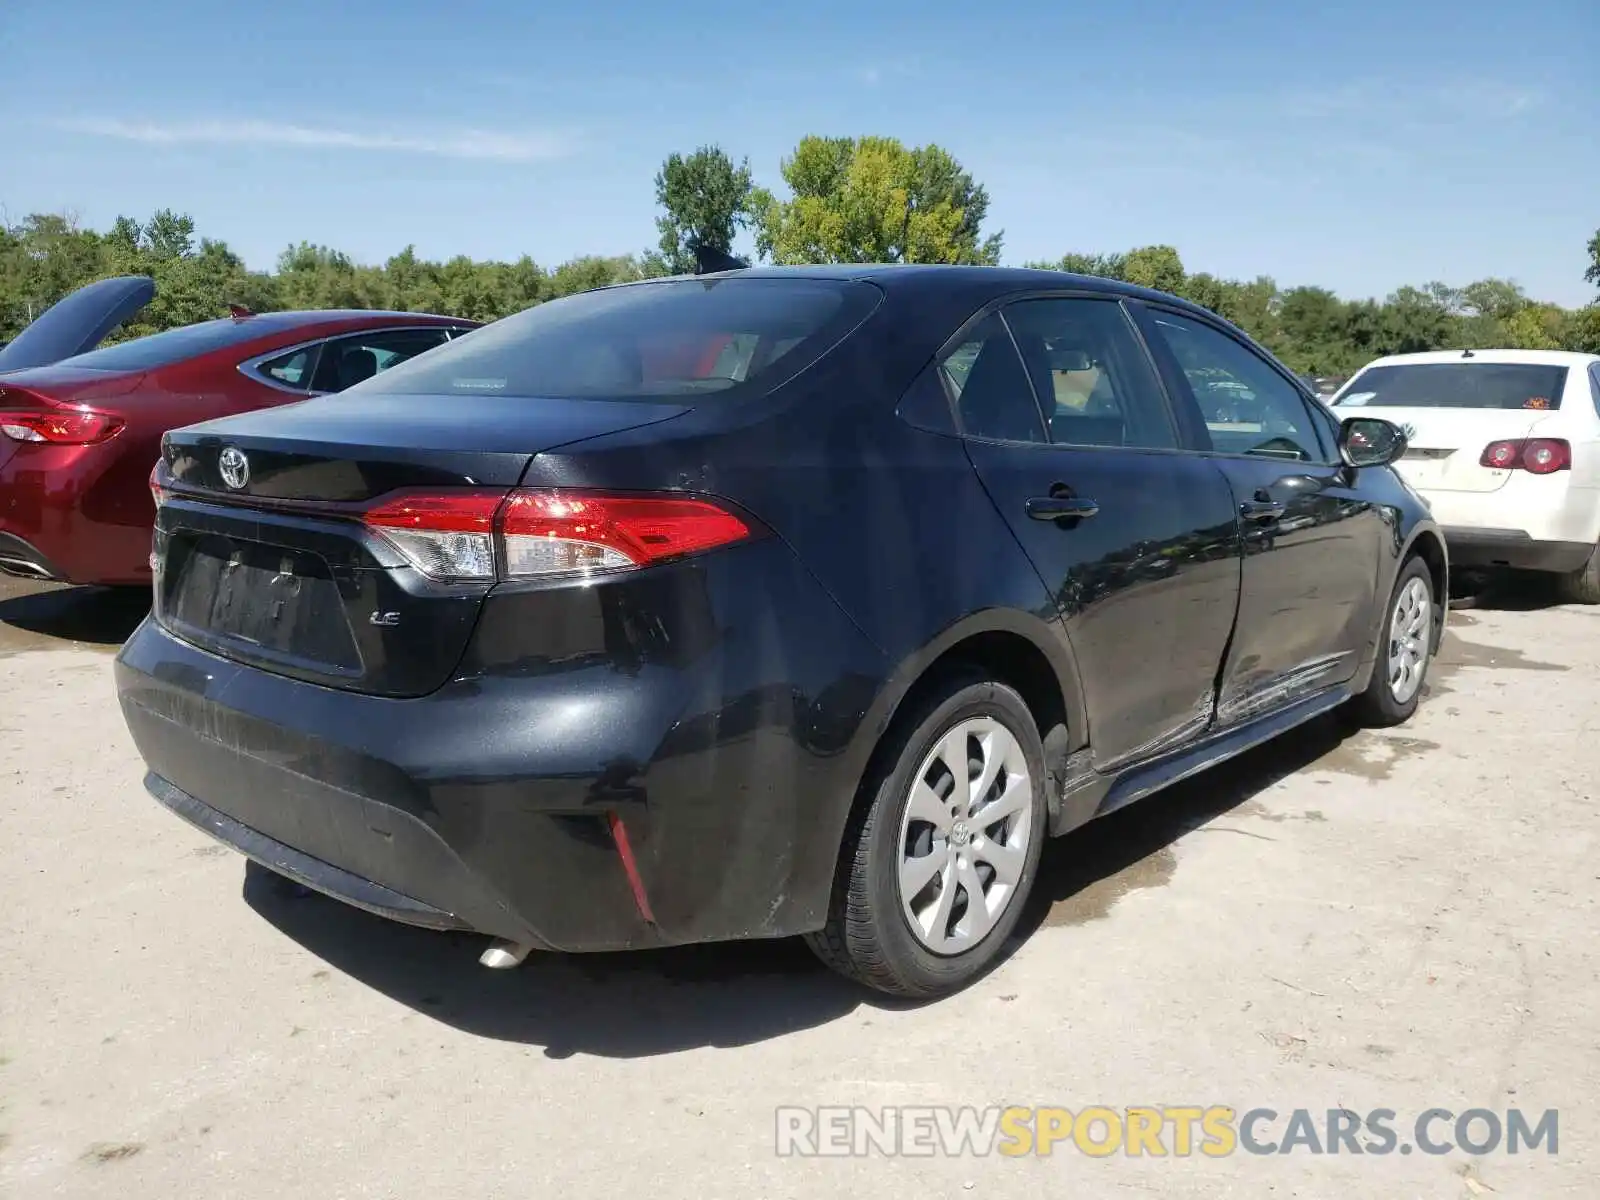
column 1536, row 327
column 1592, row 273
column 706, row 200
column 873, row 199
column 1157, row 267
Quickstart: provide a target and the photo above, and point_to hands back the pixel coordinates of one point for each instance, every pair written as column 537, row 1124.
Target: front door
column 1067, row 426
column 1311, row 540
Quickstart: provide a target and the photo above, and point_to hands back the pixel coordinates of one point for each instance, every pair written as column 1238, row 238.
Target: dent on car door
column 1312, row 536
column 1066, row 424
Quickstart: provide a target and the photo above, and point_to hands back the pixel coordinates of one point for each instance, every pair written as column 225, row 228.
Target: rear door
column 1065, row 421
column 1453, row 411
column 1312, row 539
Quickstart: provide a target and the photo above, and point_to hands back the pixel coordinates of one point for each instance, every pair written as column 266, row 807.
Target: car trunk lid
column 78, row 322
column 262, row 554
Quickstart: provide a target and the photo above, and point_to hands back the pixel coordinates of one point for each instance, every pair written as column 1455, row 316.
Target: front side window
column 1248, row 407
column 1094, row 381
column 1462, row 384
column 662, row 340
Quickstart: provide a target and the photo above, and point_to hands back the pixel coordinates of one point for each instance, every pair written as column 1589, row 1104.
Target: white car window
column 1467, row 384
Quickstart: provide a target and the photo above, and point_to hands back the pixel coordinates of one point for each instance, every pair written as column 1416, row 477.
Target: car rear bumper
column 20, row 558
column 1514, row 549
column 1534, row 523
column 56, row 532
column 573, row 807
column 294, row 864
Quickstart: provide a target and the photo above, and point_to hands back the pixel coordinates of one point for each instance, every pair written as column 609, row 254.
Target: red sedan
column 78, row 436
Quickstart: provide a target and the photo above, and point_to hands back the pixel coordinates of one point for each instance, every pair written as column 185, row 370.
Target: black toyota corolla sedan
column 762, row 603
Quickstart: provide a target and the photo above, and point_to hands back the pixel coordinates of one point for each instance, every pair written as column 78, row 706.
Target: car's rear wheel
column 1404, row 652
column 1583, row 585
column 939, row 860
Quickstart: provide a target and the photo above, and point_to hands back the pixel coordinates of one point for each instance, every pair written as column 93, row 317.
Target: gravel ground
column 1400, row 920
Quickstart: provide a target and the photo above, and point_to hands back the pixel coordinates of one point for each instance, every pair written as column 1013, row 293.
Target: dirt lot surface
column 1399, row 920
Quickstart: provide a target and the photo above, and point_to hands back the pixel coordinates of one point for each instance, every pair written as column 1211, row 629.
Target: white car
column 1505, row 447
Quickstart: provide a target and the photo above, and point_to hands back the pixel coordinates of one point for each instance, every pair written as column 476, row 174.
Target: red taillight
column 564, row 533
column 544, row 533
column 445, row 535
column 61, row 426
column 1544, row 456
column 1541, row 456
column 157, row 492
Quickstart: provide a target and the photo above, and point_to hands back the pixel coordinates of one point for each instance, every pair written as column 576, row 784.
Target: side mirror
column 1370, row 442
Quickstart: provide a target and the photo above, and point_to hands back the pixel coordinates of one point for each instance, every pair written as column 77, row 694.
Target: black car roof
column 977, row 282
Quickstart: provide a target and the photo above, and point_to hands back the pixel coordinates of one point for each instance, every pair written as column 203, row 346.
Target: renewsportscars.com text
column 1158, row 1131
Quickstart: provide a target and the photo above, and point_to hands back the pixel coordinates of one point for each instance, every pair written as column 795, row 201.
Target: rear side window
column 348, row 361
column 173, row 345
column 660, row 340
column 1464, row 384
column 1594, row 385
column 1093, row 380
column 990, row 386
column 291, row 370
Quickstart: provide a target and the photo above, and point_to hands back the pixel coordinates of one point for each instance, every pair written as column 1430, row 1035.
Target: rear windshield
column 658, row 340
column 1457, row 385
column 159, row 349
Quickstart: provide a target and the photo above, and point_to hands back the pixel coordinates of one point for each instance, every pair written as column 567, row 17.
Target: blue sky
column 1360, row 146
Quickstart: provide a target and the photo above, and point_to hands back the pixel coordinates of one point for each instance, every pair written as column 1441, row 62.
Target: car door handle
column 1262, row 510
column 1057, row 508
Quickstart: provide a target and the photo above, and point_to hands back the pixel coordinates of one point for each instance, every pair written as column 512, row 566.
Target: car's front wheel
column 1404, row 652
column 939, row 859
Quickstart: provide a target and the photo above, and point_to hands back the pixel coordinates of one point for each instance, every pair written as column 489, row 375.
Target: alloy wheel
column 1410, row 633
column 964, row 837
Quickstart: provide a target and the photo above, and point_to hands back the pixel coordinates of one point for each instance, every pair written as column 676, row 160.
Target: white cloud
column 1482, row 100
column 461, row 143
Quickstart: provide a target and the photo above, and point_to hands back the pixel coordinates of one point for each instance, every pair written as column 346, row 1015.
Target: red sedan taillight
column 541, row 533
column 60, row 426
column 1541, row 456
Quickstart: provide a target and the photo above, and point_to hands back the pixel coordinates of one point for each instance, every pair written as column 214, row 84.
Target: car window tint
column 990, row 386
column 1093, row 378
column 1594, row 385
column 1482, row 385
column 348, row 361
column 291, row 370
column 1248, row 407
column 661, row 340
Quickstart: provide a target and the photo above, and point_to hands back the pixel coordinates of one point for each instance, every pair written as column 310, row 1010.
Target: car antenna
column 708, row 260
column 239, row 312
column 1466, row 354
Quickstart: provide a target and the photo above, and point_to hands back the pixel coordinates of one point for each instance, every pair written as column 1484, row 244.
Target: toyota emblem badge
column 234, row 467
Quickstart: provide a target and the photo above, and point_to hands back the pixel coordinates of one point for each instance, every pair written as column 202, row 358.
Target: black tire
column 868, row 937
column 1583, row 585
column 1377, row 707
